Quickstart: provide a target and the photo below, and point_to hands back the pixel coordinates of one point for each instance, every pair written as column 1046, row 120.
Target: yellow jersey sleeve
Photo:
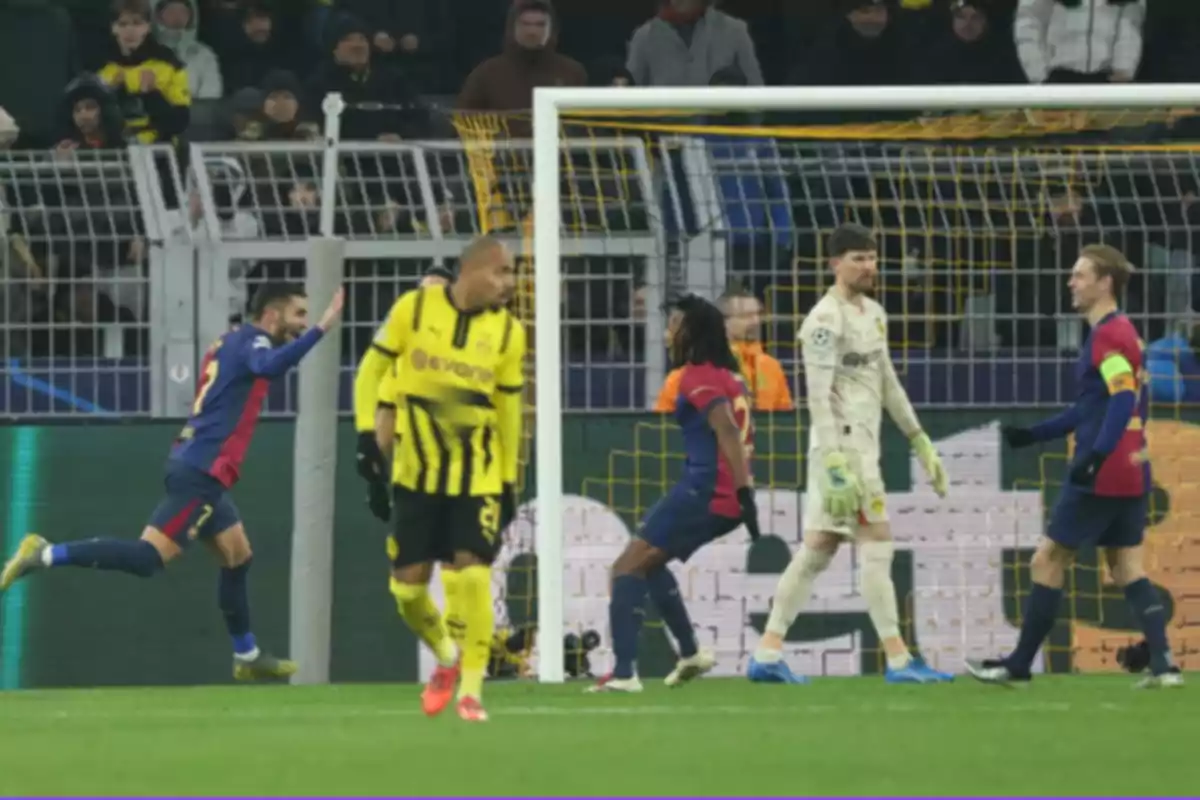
column 386, row 348
column 510, row 381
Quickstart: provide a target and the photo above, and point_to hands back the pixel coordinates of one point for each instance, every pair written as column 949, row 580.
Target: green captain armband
column 1118, row 374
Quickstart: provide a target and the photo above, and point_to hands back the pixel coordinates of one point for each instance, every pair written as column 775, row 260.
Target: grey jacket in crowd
column 659, row 56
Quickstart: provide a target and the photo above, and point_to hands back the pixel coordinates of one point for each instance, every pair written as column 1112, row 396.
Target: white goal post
column 548, row 107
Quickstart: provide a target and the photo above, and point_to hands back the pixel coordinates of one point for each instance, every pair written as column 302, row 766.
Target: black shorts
column 431, row 527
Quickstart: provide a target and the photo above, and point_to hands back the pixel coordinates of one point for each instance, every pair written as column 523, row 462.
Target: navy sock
column 1040, row 615
column 664, row 593
column 626, row 610
column 1147, row 606
column 135, row 556
column 234, row 601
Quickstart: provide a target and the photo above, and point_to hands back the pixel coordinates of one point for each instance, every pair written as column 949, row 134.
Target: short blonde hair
column 1109, row 262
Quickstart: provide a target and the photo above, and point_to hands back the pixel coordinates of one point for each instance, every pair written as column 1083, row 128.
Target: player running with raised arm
column 1105, row 499
column 458, row 357
column 204, row 464
column 713, row 498
column 850, row 381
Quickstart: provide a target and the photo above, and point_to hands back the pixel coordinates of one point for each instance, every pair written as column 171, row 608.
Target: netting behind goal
column 979, row 219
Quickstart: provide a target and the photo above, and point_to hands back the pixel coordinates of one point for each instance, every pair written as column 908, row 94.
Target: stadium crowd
column 173, row 71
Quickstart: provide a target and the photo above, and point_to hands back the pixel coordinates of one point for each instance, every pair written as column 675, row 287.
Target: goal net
column 980, row 199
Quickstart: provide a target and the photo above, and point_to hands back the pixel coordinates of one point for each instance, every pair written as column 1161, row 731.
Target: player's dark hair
column 135, row 8
column 270, row 295
column 851, row 236
column 1109, row 262
column 702, row 336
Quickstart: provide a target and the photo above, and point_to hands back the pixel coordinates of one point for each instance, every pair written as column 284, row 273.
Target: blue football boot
column 773, row 672
column 917, row 671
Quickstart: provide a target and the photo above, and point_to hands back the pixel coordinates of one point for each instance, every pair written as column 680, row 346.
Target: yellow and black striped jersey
column 457, row 383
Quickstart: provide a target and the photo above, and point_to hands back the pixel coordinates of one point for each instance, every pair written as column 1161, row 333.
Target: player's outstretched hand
column 745, row 496
column 1084, row 472
column 379, row 500
column 334, row 312
column 1017, row 437
column 839, row 487
column 372, row 466
column 931, row 462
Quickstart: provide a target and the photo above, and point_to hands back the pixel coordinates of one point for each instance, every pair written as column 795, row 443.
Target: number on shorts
column 206, row 511
column 489, row 518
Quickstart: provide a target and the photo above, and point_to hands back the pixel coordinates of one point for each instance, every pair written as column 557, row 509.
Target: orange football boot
column 440, row 690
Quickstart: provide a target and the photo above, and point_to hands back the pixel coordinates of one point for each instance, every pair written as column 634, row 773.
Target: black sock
column 134, row 556
column 1040, row 615
column 235, row 607
column 664, row 593
column 626, row 610
column 1148, row 608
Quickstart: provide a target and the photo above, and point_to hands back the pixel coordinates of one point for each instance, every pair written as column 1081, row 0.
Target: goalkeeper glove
column 931, row 462
column 379, row 500
column 508, row 506
column 372, row 466
column 745, row 496
column 839, row 487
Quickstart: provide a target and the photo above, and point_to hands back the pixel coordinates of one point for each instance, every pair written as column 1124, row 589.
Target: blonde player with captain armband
column 850, row 381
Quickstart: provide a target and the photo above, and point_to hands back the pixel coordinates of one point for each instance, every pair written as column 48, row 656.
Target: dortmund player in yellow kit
column 458, row 360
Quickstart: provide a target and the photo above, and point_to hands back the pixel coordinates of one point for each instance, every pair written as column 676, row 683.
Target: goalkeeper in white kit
column 850, row 380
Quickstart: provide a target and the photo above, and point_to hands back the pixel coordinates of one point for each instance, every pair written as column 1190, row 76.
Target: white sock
column 795, row 588
column 764, row 656
column 880, row 594
column 250, row 656
column 47, row 555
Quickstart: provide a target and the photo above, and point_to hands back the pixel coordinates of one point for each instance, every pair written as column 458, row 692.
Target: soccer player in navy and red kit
column 1104, row 500
column 714, row 497
column 203, row 465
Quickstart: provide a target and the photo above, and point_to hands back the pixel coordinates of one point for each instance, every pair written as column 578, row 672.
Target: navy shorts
column 681, row 523
column 1081, row 519
column 196, row 506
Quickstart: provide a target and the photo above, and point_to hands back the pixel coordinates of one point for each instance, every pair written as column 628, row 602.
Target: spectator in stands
column 530, row 59
column 1079, row 41
column 864, row 49
column 687, row 42
column 281, row 109
column 150, row 81
column 245, row 114
column 175, row 27
column 91, row 117
column 1173, row 363
column 970, row 49
column 245, row 41
column 395, row 27
column 763, row 373
column 397, row 112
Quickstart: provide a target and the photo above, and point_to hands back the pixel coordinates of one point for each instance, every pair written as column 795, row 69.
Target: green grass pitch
column 1063, row 735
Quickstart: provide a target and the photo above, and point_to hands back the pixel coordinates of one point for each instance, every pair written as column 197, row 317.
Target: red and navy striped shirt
column 235, row 375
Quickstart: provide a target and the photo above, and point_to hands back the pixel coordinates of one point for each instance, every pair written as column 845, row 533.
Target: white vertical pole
column 548, row 522
column 333, row 106
column 310, row 611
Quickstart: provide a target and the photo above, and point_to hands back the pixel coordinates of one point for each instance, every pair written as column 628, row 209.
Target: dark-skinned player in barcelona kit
column 1104, row 500
column 714, row 497
column 203, row 465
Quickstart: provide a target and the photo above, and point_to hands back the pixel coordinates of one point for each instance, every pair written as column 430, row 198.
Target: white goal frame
column 548, row 105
